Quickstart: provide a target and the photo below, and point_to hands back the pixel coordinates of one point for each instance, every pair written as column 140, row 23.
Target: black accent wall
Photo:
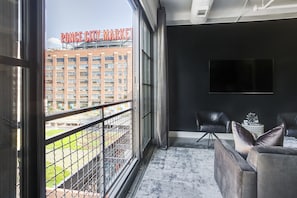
column 191, row 47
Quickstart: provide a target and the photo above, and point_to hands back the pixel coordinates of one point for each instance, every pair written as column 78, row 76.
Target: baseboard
column 191, row 134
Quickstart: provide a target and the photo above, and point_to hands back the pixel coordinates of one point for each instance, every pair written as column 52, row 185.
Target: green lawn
column 53, row 132
column 55, row 174
column 70, row 142
column 67, row 142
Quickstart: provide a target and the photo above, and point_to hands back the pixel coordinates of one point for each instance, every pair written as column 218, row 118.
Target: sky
column 83, row 15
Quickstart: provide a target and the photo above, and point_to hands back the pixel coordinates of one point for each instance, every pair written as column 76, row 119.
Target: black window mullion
column 10, row 61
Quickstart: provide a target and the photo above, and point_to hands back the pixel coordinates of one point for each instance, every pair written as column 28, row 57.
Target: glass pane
column 10, row 141
column 146, row 99
column 143, row 68
column 146, row 72
column 146, row 38
column 9, row 28
column 88, row 56
column 146, row 86
column 146, row 136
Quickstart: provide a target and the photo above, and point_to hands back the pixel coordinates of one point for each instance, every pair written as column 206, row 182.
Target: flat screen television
column 249, row 76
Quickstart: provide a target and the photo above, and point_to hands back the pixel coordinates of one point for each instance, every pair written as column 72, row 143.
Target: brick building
column 88, row 74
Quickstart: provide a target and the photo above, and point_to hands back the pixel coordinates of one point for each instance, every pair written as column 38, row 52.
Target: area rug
column 192, row 143
column 179, row 173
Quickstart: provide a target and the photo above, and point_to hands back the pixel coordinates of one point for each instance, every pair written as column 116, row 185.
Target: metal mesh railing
column 118, row 145
column 86, row 160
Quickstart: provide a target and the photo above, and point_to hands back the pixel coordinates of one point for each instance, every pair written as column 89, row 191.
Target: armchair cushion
column 244, row 140
column 211, row 127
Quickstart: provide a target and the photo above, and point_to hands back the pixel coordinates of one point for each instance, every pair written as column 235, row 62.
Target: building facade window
column 96, row 58
column 96, row 66
column 83, row 73
column 84, row 66
column 71, row 89
column 96, row 81
column 60, row 81
column 109, row 65
column 71, row 59
column 71, row 81
column 49, row 67
column 109, row 58
column 60, row 60
column 60, row 67
column 82, row 59
column 84, row 81
column 108, row 73
column 71, row 66
column 71, row 74
column 96, row 73
column 96, row 88
column 60, row 74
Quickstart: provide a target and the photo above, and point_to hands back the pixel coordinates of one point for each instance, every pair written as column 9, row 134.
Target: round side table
column 257, row 129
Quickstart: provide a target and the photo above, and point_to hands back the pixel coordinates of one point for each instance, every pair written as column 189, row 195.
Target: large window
column 89, row 147
column 69, row 151
column 12, row 66
column 146, row 88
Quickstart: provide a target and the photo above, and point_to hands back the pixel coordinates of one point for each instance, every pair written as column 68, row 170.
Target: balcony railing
column 88, row 149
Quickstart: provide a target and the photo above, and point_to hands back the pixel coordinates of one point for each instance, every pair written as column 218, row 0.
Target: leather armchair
column 289, row 120
column 212, row 122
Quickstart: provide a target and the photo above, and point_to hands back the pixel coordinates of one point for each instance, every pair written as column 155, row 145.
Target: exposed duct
column 267, row 4
column 199, row 10
column 264, row 5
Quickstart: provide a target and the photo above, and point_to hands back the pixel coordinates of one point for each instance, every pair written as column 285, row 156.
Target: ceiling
column 178, row 12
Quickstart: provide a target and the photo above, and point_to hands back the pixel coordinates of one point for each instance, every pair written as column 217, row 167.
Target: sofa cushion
column 255, row 152
column 244, row 140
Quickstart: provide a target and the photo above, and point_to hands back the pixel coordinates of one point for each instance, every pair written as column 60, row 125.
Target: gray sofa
column 268, row 172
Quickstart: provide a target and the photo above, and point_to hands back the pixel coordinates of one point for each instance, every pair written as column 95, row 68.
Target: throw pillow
column 244, row 139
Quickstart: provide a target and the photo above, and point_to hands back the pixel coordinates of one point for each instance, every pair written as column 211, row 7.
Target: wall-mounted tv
column 249, row 76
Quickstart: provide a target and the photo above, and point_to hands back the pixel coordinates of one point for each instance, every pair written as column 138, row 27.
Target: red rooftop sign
column 97, row 35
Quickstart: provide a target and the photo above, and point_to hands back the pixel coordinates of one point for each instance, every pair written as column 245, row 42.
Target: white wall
column 150, row 7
